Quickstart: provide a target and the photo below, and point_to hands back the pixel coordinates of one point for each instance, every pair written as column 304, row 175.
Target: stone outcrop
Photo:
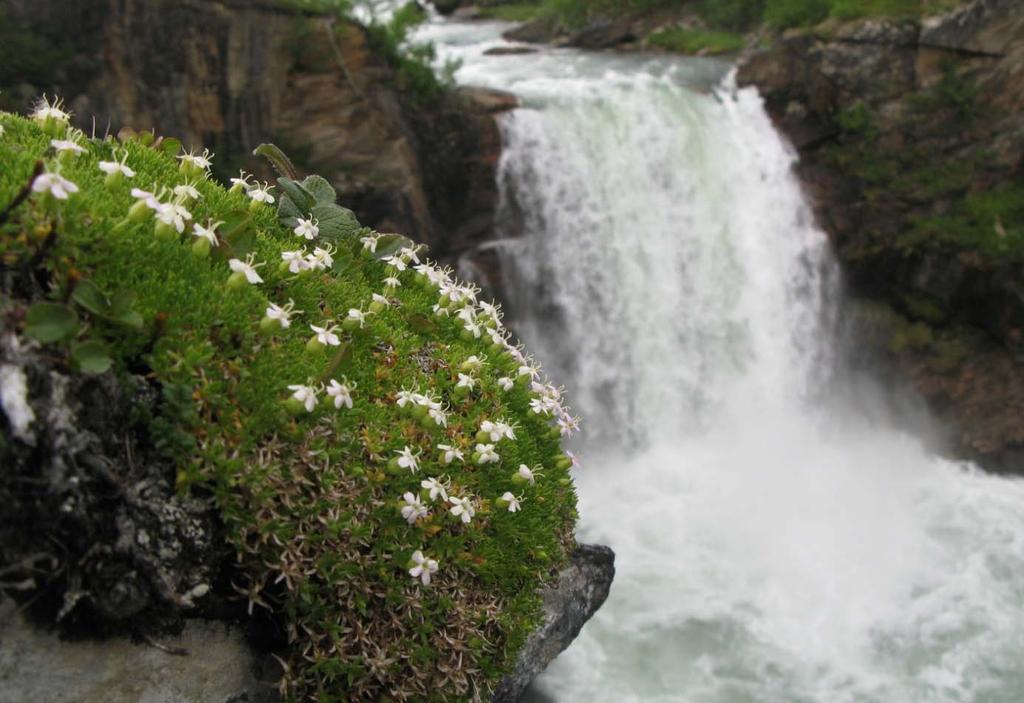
column 581, row 589
column 911, row 144
column 230, row 74
column 213, row 662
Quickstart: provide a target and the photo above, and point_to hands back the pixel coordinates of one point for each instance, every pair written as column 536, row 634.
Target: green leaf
column 281, row 163
column 298, row 194
column 321, row 190
column 389, row 244
column 91, row 356
column 90, row 297
column 335, row 222
column 288, row 213
column 50, row 322
column 237, row 235
column 170, row 145
column 121, row 310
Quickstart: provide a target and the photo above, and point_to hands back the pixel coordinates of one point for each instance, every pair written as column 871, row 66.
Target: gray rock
column 214, row 665
column 581, row 589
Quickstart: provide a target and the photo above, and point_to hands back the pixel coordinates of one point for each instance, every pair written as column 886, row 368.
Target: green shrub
column 795, row 13
column 311, row 496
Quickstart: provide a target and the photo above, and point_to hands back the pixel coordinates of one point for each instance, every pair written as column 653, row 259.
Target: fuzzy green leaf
column 288, row 213
column 322, row 190
column 90, row 297
column 335, row 222
column 91, row 356
column 281, row 163
column 302, row 198
column 121, row 310
column 50, row 322
column 389, row 244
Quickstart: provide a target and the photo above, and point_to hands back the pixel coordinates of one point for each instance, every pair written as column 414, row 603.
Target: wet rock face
column 911, row 150
column 93, row 534
column 231, row 74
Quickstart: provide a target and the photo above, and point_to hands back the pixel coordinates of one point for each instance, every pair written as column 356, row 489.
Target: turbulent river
column 775, row 542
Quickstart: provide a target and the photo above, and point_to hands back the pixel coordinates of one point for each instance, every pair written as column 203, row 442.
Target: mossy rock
column 311, row 490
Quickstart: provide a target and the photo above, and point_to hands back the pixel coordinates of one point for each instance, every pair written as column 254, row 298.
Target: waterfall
column 772, row 546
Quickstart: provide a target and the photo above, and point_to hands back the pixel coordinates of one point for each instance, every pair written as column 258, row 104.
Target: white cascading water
column 770, row 548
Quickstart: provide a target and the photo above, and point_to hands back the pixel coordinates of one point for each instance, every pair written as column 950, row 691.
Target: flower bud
column 201, row 247
column 562, row 462
column 294, row 407
column 377, row 307
column 237, row 280
column 314, row 345
column 269, row 325
column 166, row 232
column 139, row 211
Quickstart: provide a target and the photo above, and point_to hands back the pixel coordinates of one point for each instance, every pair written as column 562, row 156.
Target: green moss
column 692, row 41
column 309, row 500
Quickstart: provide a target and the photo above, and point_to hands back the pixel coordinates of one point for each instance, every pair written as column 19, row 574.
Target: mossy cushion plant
column 387, row 463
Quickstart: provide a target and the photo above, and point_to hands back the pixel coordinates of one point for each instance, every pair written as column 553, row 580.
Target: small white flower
column 473, row 364
column 283, row 314
column 296, row 260
column 407, row 459
column 151, row 201
column 370, row 242
column 514, row 503
column 439, row 416
column 404, row 397
column 540, row 406
column 486, row 454
column 395, row 262
column 465, row 381
column 436, row 488
column 497, row 430
column 44, row 110
column 449, row 454
column 307, row 395
column 309, row 229
column 466, row 314
column 423, row 568
column 410, row 254
column 381, row 300
column 357, row 316
column 321, row 258
column 568, row 425
column 247, row 267
column 392, row 282
column 209, row 232
column 66, row 145
column 326, row 335
column 242, row 181
column 174, row 215
column 54, row 183
column 341, row 392
column 112, row 167
column 440, row 311
column 261, row 193
column 200, row 161
column 506, row 383
column 413, row 509
column 462, row 508
column 526, row 474
column 473, row 329
column 187, row 191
